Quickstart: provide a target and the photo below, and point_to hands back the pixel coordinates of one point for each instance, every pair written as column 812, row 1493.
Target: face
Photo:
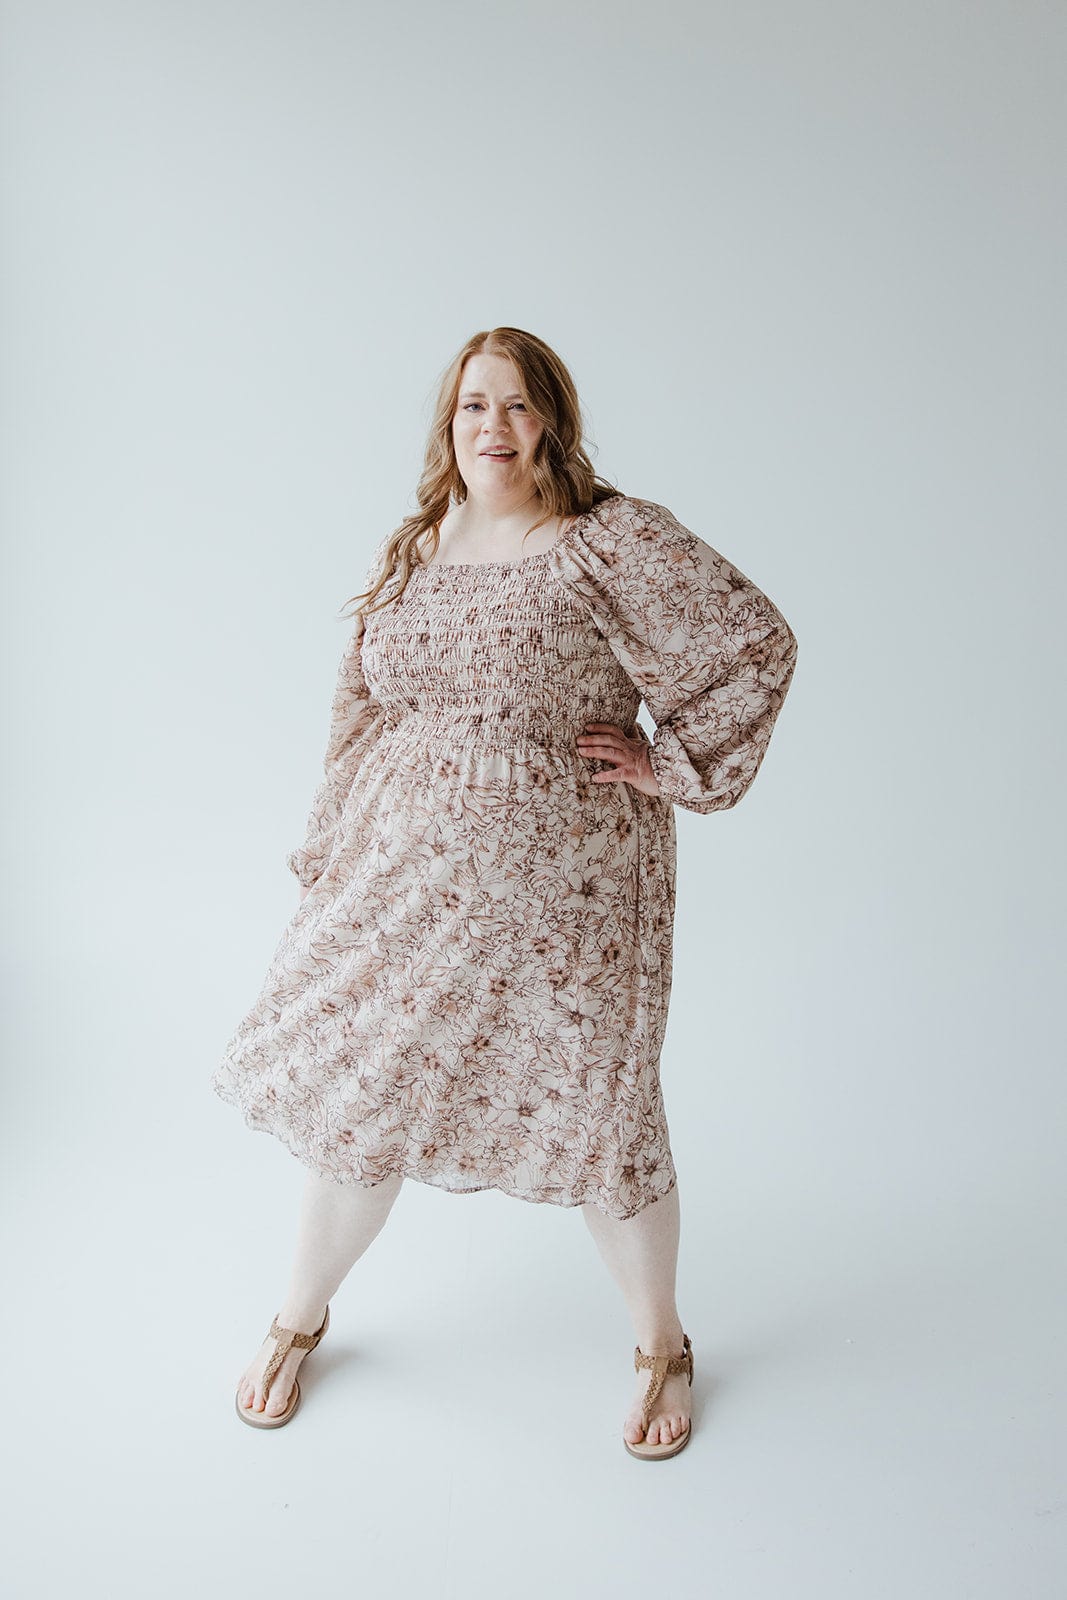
column 491, row 415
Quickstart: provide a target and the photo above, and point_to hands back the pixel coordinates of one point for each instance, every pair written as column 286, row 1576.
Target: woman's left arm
column 710, row 653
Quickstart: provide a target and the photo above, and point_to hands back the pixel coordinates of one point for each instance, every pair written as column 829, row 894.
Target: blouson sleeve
column 710, row 654
column 355, row 719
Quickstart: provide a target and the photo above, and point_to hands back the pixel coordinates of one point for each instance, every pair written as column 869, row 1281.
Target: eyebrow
column 476, row 394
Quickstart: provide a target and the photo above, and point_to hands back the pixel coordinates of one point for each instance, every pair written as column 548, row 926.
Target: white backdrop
column 805, row 262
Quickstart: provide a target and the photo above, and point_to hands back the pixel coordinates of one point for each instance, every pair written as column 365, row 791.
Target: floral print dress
column 474, row 992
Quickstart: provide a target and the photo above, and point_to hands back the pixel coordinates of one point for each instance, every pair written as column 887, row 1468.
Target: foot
column 672, row 1407
column 250, row 1391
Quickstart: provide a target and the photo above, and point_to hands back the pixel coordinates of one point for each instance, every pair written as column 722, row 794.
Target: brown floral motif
column 474, row 992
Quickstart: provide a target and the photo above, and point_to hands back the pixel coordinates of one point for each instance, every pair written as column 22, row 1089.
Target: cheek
column 530, row 433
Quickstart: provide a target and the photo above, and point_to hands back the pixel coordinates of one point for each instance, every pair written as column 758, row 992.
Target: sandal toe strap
column 661, row 1366
column 286, row 1339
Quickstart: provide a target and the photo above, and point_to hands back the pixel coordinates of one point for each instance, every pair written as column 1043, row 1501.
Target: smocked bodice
column 498, row 654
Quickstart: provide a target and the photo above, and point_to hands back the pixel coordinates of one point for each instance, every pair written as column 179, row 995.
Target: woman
column 473, row 990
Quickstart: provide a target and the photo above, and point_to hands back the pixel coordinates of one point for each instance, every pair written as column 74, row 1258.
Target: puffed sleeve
column 710, row 654
column 355, row 719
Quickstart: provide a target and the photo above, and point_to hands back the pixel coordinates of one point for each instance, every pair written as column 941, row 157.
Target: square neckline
column 440, row 566
column 539, row 555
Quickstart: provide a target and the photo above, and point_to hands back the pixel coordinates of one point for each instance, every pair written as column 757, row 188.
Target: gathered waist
column 495, row 722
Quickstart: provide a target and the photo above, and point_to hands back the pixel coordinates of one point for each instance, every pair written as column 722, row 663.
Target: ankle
column 661, row 1339
column 301, row 1315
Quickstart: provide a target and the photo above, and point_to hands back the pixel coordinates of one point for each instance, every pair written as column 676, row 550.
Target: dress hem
column 567, row 1200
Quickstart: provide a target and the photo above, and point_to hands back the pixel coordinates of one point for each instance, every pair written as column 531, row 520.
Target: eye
column 520, row 405
column 470, row 404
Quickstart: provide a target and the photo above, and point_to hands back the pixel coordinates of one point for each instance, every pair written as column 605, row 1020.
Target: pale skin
column 339, row 1221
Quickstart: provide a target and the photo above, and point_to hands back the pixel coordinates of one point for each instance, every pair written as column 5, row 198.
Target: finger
column 591, row 746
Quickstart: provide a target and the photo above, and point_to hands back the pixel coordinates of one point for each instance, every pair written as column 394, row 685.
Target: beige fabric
column 475, row 991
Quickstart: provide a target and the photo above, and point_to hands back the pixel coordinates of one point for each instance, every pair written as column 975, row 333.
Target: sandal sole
column 659, row 1452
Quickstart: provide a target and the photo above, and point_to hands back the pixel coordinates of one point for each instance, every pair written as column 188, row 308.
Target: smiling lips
column 500, row 454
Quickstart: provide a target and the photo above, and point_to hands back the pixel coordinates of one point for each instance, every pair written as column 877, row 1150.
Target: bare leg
column 337, row 1223
column 642, row 1256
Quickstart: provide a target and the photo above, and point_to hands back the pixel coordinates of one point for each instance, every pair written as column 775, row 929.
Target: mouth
column 499, row 455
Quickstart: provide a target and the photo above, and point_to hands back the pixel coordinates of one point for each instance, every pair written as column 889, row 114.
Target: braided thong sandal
column 661, row 1366
column 287, row 1338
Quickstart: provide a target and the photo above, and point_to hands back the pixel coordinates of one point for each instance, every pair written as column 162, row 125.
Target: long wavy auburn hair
column 563, row 474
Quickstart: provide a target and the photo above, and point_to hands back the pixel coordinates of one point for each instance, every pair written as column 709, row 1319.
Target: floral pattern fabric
column 474, row 992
